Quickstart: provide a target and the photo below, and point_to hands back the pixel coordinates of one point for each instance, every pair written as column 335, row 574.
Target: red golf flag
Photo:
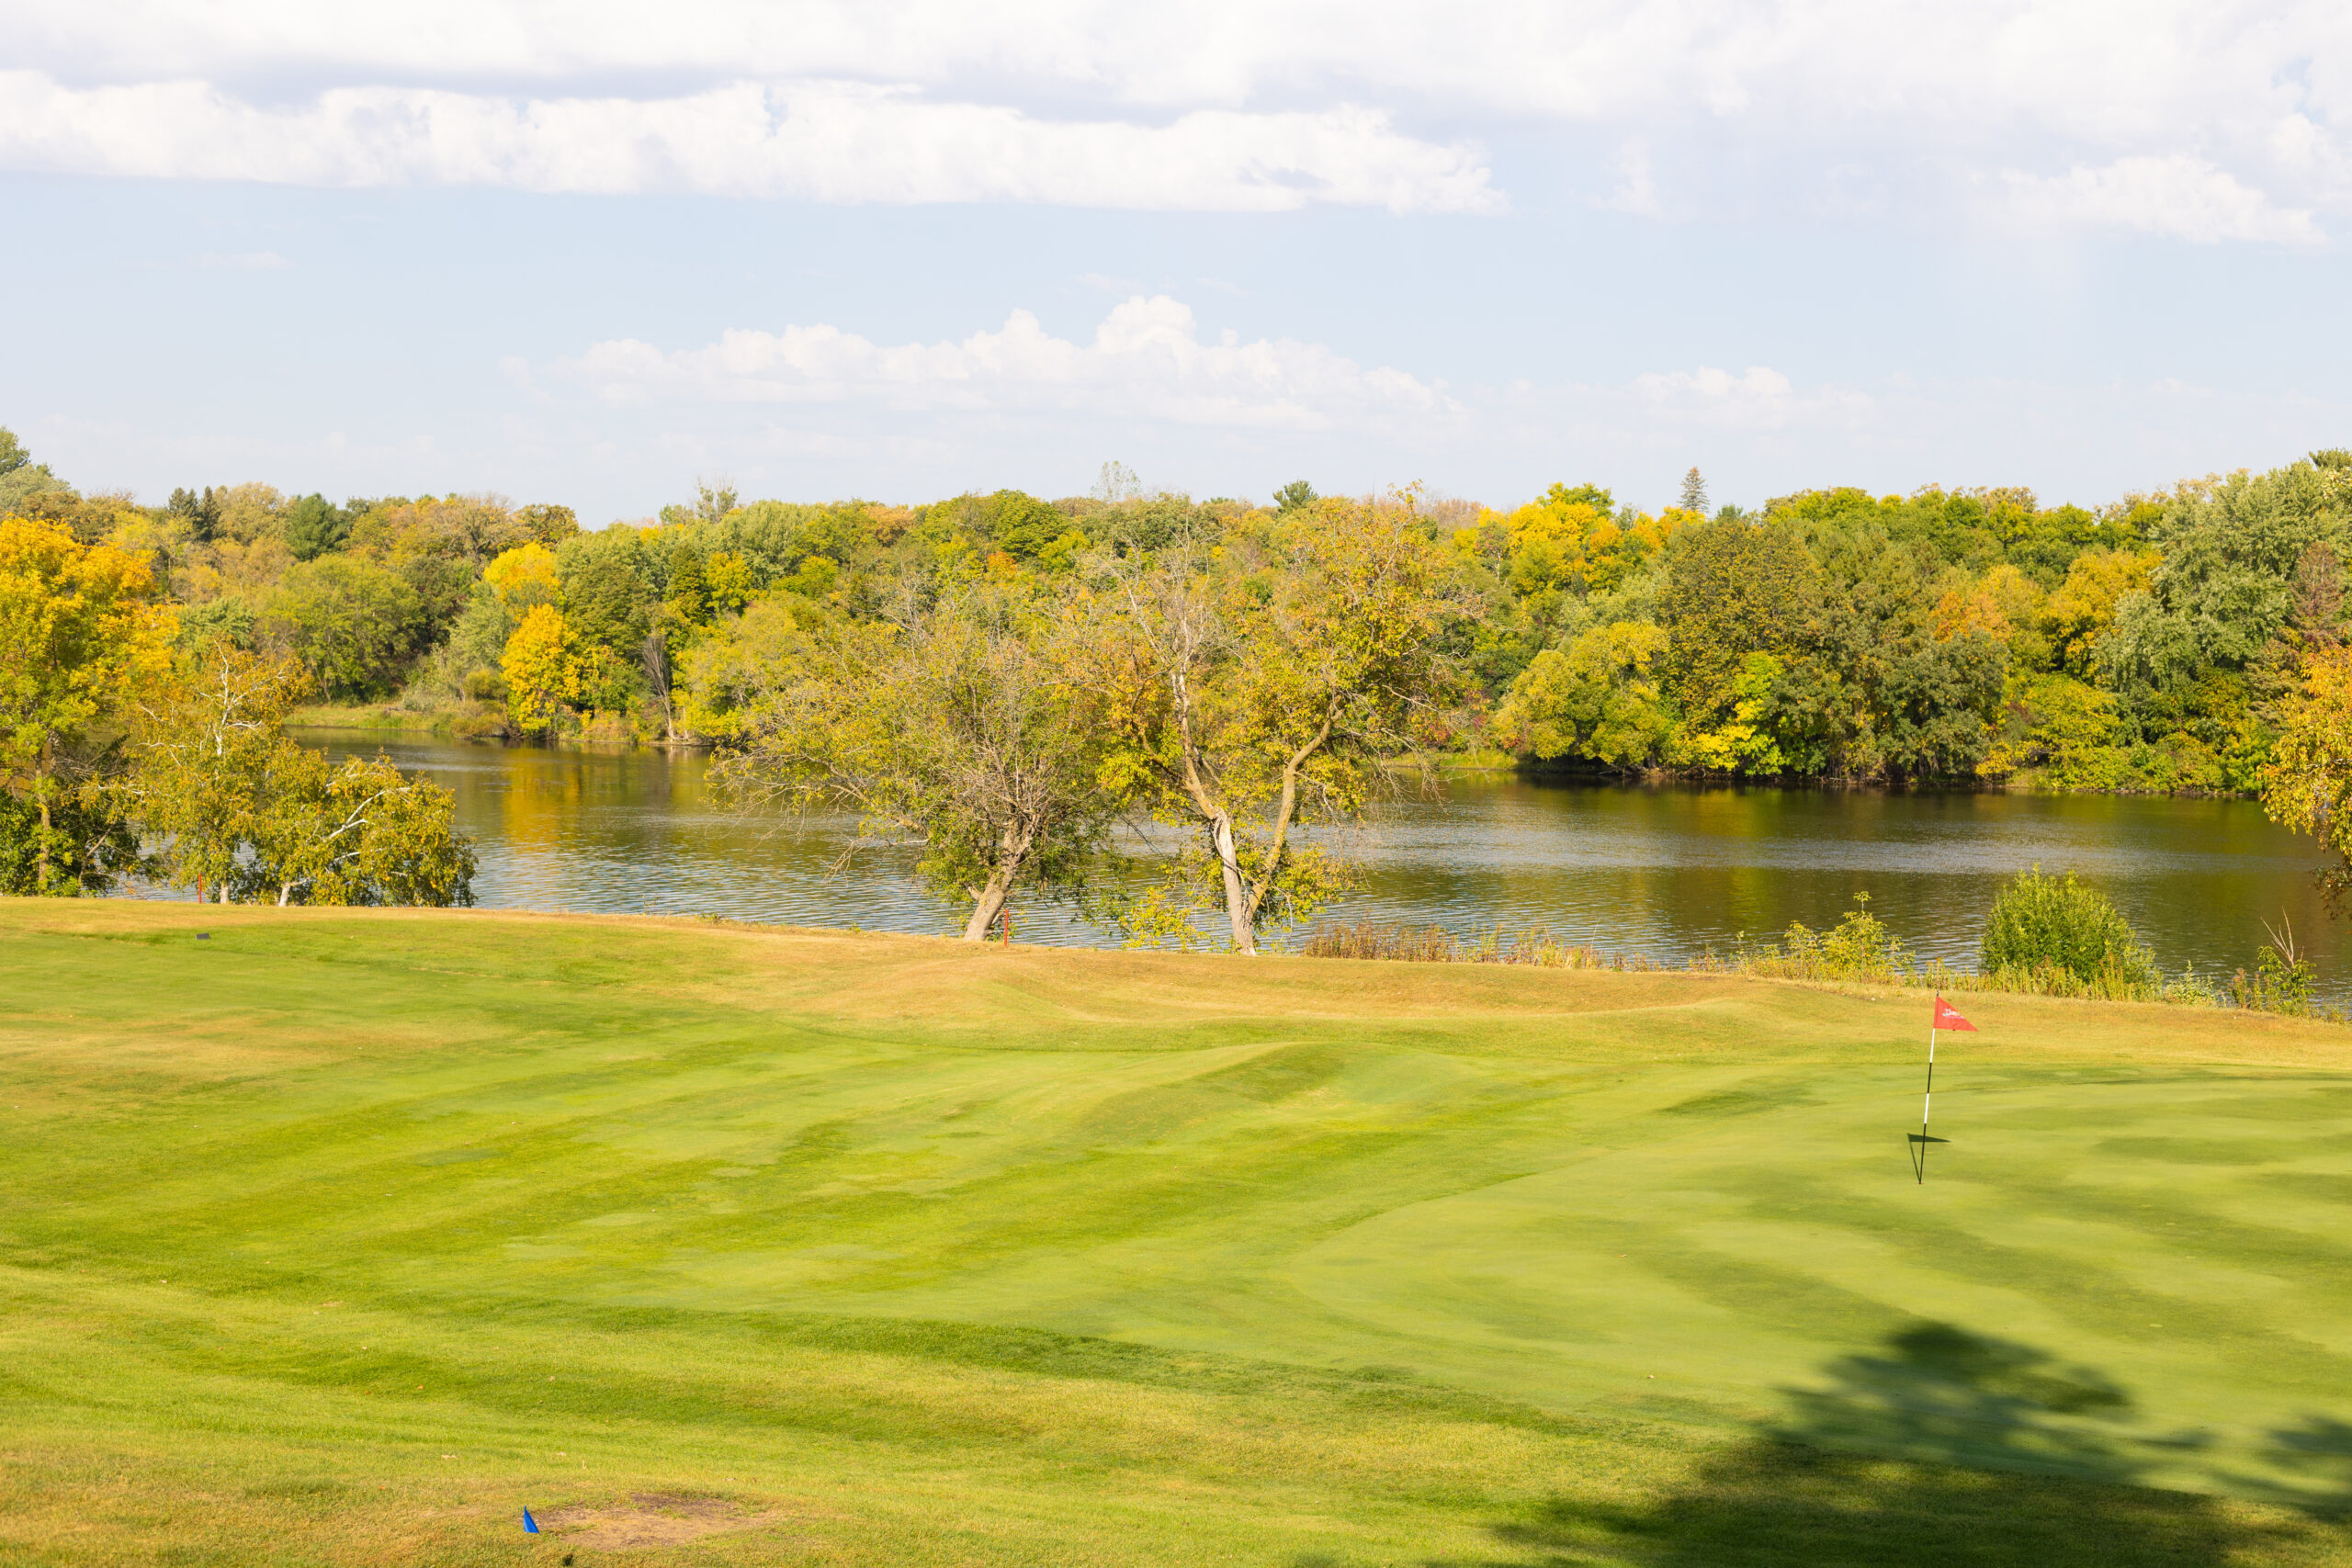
column 1946, row 1019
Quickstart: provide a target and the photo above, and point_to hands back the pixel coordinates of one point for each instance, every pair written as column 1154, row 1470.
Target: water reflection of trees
column 1953, row 1449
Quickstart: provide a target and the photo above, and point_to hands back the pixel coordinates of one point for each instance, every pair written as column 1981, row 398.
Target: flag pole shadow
column 1918, row 1152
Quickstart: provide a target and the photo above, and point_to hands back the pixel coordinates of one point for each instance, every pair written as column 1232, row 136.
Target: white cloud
column 814, row 410
column 1636, row 189
column 1710, row 405
column 1716, row 386
column 1146, row 360
column 2184, row 199
column 825, row 141
column 1249, row 105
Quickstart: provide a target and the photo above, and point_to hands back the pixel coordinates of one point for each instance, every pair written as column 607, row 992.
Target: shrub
column 2045, row 922
column 2282, row 978
column 1857, row 947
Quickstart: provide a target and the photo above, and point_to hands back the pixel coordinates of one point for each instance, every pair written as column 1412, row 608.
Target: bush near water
column 2046, row 924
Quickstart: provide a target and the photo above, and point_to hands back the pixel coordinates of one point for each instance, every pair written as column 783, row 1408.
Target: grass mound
column 343, row 1237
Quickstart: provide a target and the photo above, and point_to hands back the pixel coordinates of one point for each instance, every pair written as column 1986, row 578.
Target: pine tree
column 1694, row 493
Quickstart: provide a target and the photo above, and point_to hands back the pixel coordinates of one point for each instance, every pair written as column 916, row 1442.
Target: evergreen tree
column 1694, row 493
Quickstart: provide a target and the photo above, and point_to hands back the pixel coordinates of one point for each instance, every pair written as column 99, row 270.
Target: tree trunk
column 41, row 793
column 1239, row 910
column 655, row 659
column 987, row 904
column 1012, row 853
column 1278, row 841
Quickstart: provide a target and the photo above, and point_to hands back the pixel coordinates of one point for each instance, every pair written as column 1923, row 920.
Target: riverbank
column 489, row 720
column 362, row 1230
column 1669, row 873
column 476, row 721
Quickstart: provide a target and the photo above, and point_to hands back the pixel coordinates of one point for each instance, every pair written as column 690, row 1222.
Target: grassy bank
column 341, row 1236
column 389, row 718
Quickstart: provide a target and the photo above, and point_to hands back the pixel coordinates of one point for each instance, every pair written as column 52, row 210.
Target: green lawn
column 342, row 1236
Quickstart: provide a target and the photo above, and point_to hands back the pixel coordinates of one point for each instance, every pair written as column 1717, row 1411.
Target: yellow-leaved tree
column 2307, row 785
column 541, row 668
column 524, row 577
column 80, row 632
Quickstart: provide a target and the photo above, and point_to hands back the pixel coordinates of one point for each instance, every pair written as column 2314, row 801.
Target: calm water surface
column 1668, row 871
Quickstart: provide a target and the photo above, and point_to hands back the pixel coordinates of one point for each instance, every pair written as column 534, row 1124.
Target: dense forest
column 1943, row 637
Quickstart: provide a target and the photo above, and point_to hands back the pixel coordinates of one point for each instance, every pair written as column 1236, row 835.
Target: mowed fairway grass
column 344, row 1236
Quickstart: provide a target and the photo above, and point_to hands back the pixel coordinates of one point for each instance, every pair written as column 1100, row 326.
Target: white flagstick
column 1925, row 1100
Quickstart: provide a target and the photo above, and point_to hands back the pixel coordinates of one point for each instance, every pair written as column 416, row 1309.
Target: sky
column 595, row 252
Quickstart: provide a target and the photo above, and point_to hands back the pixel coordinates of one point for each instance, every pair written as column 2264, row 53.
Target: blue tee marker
column 530, row 1525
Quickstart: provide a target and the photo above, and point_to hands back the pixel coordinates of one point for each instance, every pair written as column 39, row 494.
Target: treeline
column 1936, row 637
column 1941, row 636
column 1240, row 670
column 145, row 740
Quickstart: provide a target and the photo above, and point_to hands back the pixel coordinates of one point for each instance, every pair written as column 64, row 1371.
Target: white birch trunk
column 1237, row 910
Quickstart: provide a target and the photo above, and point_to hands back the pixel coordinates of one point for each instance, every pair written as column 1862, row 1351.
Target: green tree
column 1020, row 525
column 200, row 513
column 200, row 745
column 314, row 526
column 1245, row 697
column 1731, row 589
column 610, row 588
column 958, row 730
column 246, row 815
column 2220, row 596
column 355, row 624
column 84, row 845
column 1295, row 496
column 729, row 673
column 548, row 525
column 360, row 833
column 22, row 481
column 1599, row 698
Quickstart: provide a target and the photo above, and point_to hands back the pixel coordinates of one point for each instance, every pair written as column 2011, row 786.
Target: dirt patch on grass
column 656, row 1519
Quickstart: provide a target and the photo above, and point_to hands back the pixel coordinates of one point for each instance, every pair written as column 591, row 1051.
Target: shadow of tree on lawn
column 2319, row 1449
column 1948, row 1449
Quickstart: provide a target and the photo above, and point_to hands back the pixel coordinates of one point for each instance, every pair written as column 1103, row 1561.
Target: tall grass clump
column 2282, row 978
column 1857, row 947
column 1537, row 949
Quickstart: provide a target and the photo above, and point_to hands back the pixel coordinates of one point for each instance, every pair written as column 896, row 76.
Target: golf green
column 344, row 1236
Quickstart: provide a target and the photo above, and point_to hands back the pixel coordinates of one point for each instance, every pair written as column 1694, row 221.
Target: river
column 1667, row 872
